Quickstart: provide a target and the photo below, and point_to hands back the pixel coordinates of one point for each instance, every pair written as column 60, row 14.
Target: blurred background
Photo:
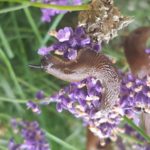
column 21, row 34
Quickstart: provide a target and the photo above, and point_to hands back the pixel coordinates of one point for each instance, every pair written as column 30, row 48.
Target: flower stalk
column 57, row 7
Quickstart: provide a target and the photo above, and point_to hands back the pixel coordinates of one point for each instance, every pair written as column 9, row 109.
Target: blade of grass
column 6, row 44
column 74, row 134
column 42, row 5
column 13, row 8
column 8, row 90
column 59, row 141
column 5, row 116
column 51, row 84
column 28, row 85
column 12, row 73
column 21, row 47
column 3, row 148
column 12, row 100
column 138, row 129
column 52, row 27
column 33, row 24
column 31, row 87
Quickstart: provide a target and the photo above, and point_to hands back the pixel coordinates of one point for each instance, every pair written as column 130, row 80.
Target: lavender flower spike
column 33, row 137
column 48, row 14
column 69, row 43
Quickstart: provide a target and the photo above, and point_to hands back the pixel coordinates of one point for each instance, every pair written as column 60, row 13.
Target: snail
column 88, row 63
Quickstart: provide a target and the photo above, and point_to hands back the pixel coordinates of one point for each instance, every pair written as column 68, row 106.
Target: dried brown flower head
column 103, row 20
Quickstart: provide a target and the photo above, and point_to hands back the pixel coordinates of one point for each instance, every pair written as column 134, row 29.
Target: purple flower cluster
column 33, row 136
column 135, row 93
column 69, row 42
column 83, row 100
column 47, row 13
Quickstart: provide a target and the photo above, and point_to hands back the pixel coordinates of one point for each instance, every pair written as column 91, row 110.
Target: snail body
column 88, row 63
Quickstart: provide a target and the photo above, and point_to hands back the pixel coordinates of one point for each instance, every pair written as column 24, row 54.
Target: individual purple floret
column 69, row 42
column 64, row 34
column 147, row 51
column 33, row 137
column 34, row 107
column 40, row 95
column 48, row 13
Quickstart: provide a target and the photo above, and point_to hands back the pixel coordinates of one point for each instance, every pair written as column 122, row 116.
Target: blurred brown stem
column 93, row 143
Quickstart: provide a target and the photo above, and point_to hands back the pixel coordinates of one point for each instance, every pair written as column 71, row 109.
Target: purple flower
column 47, row 13
column 72, row 54
column 44, row 50
column 33, row 137
column 135, row 93
column 40, row 95
column 12, row 145
column 64, row 34
column 83, row 100
column 33, row 106
column 147, row 51
column 69, row 43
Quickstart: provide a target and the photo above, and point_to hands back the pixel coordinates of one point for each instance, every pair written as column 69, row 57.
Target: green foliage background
column 21, row 34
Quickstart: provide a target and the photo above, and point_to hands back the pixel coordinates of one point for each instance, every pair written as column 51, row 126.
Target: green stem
column 138, row 129
column 59, row 141
column 42, row 5
column 52, row 27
